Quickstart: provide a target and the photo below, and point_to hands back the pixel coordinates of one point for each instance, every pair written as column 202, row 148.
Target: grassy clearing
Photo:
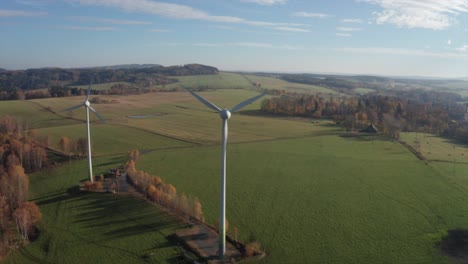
column 32, row 115
column 436, row 148
column 274, row 83
column 95, row 228
column 101, row 86
column 363, row 90
column 223, row 80
column 324, row 199
column 182, row 116
column 111, row 139
column 204, row 126
column 317, row 198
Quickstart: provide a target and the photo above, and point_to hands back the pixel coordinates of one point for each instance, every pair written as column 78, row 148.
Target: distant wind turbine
column 225, row 114
column 87, row 104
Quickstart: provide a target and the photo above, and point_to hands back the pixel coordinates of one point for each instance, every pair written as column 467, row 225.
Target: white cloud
column 291, row 29
column 208, row 44
column 402, row 51
column 176, row 11
column 20, row 13
column 429, row 14
column 348, row 29
column 86, row 28
column 352, row 20
column 463, row 48
column 343, row 34
column 108, row 20
column 307, row 14
column 249, row 45
column 266, row 2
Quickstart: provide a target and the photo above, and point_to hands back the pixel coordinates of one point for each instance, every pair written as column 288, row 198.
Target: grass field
column 95, row 227
column 308, row 195
column 112, row 139
column 101, row 86
column 223, row 80
column 436, row 148
column 324, row 199
column 32, row 115
column 227, row 80
column 275, row 83
column 363, row 90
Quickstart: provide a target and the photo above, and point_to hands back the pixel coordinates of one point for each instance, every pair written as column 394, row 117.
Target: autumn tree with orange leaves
column 163, row 194
column 19, row 151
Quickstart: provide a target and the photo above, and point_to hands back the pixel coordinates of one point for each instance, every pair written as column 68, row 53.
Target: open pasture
column 435, row 148
column 32, row 115
column 101, row 86
column 363, row 90
column 278, row 84
column 95, row 227
column 223, row 80
column 306, row 194
column 108, row 139
column 324, row 199
column 181, row 116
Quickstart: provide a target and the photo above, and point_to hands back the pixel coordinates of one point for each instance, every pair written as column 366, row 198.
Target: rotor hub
column 87, row 103
column 225, row 114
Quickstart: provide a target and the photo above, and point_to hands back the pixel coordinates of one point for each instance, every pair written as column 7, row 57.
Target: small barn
column 370, row 129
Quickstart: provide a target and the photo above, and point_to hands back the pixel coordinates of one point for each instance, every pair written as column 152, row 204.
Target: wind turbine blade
column 88, row 92
column 72, row 108
column 204, row 101
column 246, row 102
column 96, row 113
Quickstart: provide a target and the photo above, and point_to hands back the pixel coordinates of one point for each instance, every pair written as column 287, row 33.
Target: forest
column 18, row 153
column 441, row 113
column 44, row 78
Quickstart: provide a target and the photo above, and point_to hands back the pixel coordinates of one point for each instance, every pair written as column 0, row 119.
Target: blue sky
column 384, row 37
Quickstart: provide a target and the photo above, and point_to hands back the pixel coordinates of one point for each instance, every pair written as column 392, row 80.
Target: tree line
column 435, row 112
column 45, row 78
column 165, row 195
column 17, row 152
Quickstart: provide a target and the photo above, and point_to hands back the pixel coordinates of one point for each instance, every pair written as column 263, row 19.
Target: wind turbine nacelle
column 225, row 114
column 87, row 103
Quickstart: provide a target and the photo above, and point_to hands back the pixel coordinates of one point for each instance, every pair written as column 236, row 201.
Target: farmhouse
column 370, row 129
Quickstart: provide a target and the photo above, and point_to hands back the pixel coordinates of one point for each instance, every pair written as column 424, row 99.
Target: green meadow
column 278, row 84
column 101, row 86
column 324, row 199
column 95, row 227
column 305, row 193
column 223, row 80
column 435, row 148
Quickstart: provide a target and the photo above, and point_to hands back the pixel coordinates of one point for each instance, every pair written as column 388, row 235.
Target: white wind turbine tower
column 225, row 114
column 87, row 104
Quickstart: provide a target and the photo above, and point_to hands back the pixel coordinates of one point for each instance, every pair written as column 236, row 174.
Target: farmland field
column 274, row 83
column 437, row 148
column 308, row 195
column 223, row 80
column 324, row 199
column 95, row 227
column 101, row 86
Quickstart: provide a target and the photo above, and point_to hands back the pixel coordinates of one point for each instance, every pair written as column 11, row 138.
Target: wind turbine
column 225, row 114
column 87, row 104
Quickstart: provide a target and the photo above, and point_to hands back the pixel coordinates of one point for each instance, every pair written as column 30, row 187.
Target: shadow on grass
column 113, row 161
column 366, row 137
column 55, row 197
column 178, row 260
column 117, row 216
column 455, row 245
